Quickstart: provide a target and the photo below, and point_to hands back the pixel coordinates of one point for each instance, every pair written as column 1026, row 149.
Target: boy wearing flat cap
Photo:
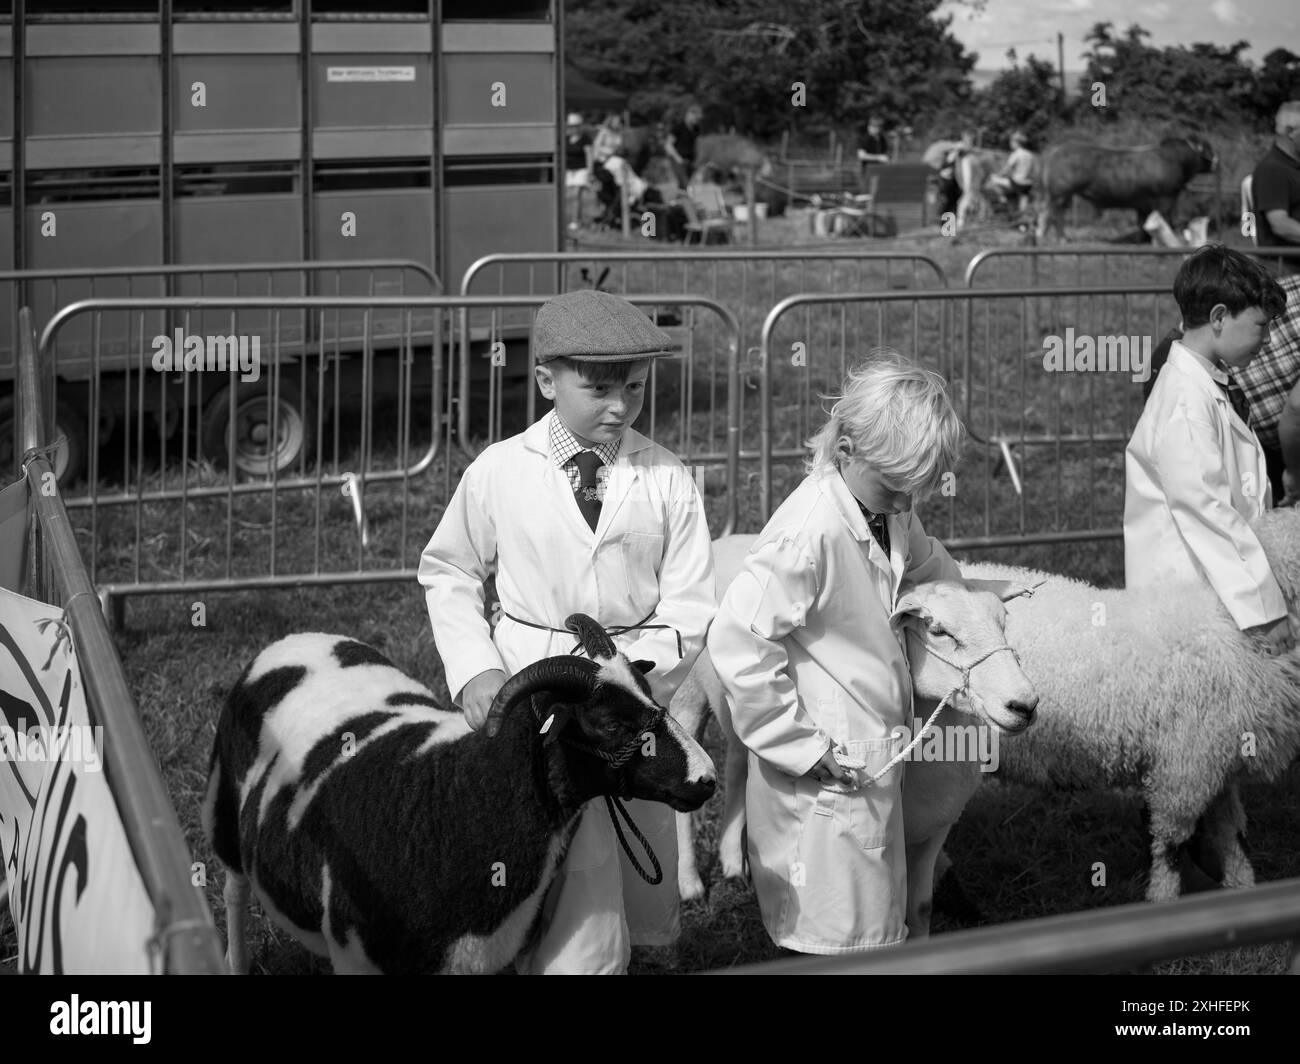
column 583, row 514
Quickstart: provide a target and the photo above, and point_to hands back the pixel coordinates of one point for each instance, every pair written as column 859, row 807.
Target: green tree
column 743, row 58
column 1278, row 81
column 1202, row 85
column 1025, row 97
column 647, row 50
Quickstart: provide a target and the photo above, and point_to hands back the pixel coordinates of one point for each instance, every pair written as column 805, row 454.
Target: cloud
column 1157, row 10
column 1226, row 12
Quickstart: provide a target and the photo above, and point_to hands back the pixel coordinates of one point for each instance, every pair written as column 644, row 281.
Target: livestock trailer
column 171, row 133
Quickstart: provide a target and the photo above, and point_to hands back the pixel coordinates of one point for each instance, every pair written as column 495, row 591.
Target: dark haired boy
column 1195, row 471
column 582, row 514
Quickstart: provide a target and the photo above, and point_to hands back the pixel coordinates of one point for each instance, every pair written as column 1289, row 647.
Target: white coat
column 649, row 559
column 1195, row 476
column 804, row 645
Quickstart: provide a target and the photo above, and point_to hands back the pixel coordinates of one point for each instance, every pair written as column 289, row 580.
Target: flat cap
column 591, row 326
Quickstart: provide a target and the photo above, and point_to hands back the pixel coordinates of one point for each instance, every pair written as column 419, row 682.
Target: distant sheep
column 382, row 833
column 1158, row 690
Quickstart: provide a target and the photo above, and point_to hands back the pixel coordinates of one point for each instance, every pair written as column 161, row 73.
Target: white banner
column 75, row 894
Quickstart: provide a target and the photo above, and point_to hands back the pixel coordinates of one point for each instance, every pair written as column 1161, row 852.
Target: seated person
column 606, row 154
column 1015, row 181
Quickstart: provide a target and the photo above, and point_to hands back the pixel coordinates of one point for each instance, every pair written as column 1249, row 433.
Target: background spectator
column 1275, row 184
column 680, row 143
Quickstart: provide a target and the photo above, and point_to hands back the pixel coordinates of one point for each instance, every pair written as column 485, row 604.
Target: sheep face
column 956, row 641
column 663, row 764
column 621, row 741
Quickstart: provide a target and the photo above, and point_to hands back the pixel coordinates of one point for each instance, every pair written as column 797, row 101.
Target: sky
column 1031, row 26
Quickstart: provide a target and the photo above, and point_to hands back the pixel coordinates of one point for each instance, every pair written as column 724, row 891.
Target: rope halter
column 962, row 688
column 649, row 722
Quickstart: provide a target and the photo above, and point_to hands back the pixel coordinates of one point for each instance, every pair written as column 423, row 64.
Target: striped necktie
column 587, row 492
column 879, row 525
column 1237, row 398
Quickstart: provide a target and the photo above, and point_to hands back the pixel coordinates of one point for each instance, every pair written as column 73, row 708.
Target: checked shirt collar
column 564, row 447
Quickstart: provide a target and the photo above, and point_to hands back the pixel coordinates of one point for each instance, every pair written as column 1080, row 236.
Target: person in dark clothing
column 1275, row 185
column 874, row 146
column 680, row 145
column 576, row 139
column 948, row 187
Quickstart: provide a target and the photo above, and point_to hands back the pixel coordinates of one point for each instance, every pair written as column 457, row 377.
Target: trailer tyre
column 69, row 458
column 256, row 452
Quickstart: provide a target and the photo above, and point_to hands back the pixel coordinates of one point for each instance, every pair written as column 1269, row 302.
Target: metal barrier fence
column 1034, row 407
column 1106, row 264
column 184, row 934
column 360, row 483
column 1075, row 943
column 45, row 291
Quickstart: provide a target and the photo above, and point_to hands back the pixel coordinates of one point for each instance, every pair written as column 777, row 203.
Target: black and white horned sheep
column 382, row 833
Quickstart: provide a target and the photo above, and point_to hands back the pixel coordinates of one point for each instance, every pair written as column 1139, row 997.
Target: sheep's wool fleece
column 1144, row 670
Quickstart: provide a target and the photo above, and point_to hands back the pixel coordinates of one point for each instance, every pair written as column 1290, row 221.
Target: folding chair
column 706, row 213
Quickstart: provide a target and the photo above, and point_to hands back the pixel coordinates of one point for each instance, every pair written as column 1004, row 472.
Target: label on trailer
column 370, row 73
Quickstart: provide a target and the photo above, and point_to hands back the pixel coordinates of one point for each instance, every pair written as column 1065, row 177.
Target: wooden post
column 622, row 197
column 753, row 207
column 1060, row 65
column 785, row 144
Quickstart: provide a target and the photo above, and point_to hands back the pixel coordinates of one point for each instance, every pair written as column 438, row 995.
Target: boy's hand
column 829, row 771
column 1275, row 637
column 476, row 698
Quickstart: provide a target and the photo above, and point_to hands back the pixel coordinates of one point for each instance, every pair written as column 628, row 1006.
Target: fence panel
column 182, row 938
column 1047, row 427
column 327, row 466
column 45, row 291
column 1042, row 267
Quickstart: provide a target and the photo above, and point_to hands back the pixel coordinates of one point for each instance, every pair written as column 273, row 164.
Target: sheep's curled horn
column 598, row 644
column 567, row 676
column 595, row 640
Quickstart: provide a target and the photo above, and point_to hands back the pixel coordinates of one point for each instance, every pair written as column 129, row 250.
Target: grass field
column 1020, row 853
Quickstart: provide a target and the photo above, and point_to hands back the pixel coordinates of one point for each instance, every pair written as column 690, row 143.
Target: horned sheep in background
column 384, row 834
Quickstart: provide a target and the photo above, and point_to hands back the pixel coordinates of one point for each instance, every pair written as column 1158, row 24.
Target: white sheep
column 994, row 691
column 382, row 833
column 1158, row 691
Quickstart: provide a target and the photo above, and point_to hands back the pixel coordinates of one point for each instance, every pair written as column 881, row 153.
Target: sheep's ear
column 1004, row 589
column 910, row 603
column 643, row 667
column 552, row 726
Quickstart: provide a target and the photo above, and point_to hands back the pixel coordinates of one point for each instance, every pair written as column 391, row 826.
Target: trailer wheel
column 256, row 454
column 69, row 459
